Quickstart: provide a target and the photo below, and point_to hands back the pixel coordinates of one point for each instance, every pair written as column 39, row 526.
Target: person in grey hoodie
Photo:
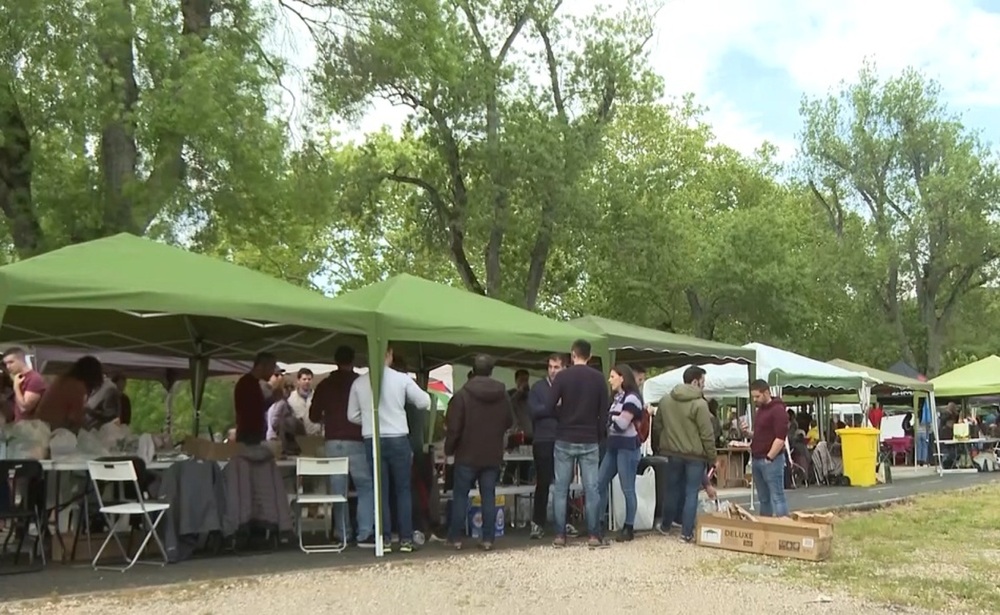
column 543, row 445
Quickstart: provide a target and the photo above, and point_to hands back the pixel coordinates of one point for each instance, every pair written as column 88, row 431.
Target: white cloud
column 817, row 43
column 820, row 44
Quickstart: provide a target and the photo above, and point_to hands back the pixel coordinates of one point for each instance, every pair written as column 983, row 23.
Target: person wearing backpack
column 622, row 453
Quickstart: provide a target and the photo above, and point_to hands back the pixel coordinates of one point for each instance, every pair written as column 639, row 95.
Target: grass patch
column 938, row 552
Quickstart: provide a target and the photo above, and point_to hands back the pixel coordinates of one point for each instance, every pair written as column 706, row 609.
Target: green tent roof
column 888, row 379
column 641, row 345
column 129, row 293
column 972, row 380
column 442, row 324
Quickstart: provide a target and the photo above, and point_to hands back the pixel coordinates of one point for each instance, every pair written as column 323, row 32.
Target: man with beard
column 767, row 449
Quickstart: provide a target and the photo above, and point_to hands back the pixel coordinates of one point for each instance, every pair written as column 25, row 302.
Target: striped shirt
column 622, row 432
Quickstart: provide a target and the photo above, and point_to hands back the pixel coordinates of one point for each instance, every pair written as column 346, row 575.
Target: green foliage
column 133, row 116
column 928, row 191
column 149, row 408
column 538, row 164
column 493, row 158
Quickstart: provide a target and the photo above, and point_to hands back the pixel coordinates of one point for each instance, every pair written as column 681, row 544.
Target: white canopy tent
column 780, row 368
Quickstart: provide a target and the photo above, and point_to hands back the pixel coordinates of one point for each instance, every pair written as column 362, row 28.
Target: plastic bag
column 62, row 444
column 28, row 440
column 88, row 444
column 114, row 436
column 645, row 495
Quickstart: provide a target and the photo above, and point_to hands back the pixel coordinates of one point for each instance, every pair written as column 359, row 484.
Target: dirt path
column 654, row 574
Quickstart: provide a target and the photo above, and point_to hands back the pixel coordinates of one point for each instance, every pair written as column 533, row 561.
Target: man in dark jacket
column 688, row 439
column 478, row 418
column 543, row 444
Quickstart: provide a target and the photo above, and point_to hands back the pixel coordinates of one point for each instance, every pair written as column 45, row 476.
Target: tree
column 495, row 155
column 927, row 188
column 132, row 115
column 692, row 236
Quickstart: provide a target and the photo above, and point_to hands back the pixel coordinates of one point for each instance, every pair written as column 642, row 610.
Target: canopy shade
column 886, row 380
column 56, row 360
column 643, row 346
column 136, row 295
column 972, row 380
column 795, row 373
column 441, row 324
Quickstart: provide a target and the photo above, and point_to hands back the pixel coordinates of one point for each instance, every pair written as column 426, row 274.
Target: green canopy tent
column 132, row 294
column 633, row 344
column 438, row 324
column 973, row 380
column 886, row 382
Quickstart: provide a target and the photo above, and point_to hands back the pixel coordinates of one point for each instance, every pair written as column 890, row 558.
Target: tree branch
column 484, row 48
column 455, row 226
column 168, row 158
column 553, row 67
column 834, row 210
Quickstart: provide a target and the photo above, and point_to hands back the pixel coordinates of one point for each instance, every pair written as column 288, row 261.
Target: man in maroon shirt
column 28, row 384
column 249, row 401
column 767, row 448
column 343, row 439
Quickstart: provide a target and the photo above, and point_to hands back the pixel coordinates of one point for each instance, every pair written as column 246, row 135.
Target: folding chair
column 123, row 472
column 319, row 466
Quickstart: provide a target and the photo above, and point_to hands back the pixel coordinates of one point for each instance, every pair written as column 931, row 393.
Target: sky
column 751, row 61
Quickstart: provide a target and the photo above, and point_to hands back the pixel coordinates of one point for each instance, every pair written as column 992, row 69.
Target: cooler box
column 475, row 518
column 860, row 450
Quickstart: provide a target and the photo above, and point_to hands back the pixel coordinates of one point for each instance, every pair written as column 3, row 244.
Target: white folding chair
column 320, row 466
column 123, row 472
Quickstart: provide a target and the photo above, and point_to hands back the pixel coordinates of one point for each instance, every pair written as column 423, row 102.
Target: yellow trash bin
column 860, row 450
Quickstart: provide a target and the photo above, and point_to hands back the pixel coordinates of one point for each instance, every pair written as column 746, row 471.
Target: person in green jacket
column 687, row 437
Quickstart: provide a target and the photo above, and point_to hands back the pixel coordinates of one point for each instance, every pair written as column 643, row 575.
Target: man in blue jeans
column 398, row 389
column 579, row 400
column 687, row 438
column 767, row 450
column 343, row 439
column 479, row 415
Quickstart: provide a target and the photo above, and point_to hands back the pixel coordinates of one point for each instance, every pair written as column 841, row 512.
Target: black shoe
column 626, row 534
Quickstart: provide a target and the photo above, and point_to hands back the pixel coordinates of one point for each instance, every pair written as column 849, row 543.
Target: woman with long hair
column 63, row 404
column 621, row 456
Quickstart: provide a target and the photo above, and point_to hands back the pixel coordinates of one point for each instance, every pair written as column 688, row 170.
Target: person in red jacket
column 875, row 415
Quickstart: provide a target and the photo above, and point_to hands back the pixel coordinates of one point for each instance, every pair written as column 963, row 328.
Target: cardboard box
column 475, row 520
column 311, row 446
column 210, row 451
column 804, row 536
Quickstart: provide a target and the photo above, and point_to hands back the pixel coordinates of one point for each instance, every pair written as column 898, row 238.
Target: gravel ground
column 653, row 573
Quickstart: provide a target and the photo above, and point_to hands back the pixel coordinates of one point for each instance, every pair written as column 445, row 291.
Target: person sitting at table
column 479, row 415
column 63, row 404
column 104, row 405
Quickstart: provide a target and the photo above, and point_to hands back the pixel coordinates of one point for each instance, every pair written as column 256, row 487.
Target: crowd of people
column 579, row 426
column 85, row 396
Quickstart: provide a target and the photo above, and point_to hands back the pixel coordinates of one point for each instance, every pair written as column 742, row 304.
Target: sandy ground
column 654, row 574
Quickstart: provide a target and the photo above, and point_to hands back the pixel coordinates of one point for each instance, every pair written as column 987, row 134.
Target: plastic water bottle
column 418, row 538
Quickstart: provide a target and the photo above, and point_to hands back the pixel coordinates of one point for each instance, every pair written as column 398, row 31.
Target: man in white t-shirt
column 300, row 400
column 398, row 389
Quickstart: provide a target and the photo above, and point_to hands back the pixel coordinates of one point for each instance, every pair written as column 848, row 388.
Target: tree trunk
column 16, row 167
